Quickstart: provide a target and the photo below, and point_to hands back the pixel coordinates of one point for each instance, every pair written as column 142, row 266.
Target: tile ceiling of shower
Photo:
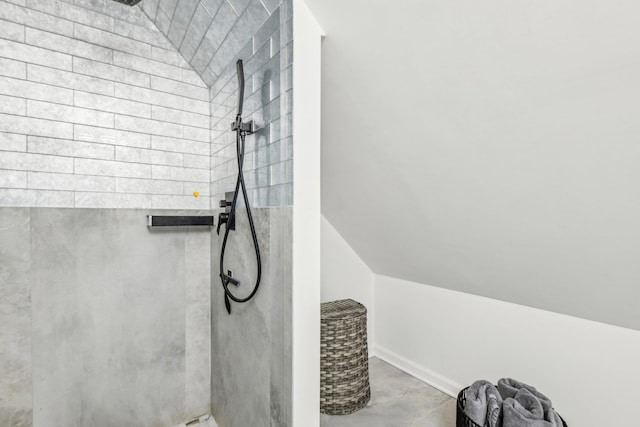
column 209, row 33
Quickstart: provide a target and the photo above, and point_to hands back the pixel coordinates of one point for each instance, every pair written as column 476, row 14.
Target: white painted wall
column 449, row 339
column 306, row 218
column 345, row 275
column 488, row 147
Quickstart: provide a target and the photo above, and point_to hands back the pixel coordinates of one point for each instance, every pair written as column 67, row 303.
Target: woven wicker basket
column 344, row 364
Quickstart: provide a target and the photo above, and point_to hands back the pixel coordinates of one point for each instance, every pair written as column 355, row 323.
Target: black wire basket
column 461, row 418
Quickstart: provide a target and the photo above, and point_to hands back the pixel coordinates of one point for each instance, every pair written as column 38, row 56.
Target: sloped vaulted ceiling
column 488, row 147
column 208, row 33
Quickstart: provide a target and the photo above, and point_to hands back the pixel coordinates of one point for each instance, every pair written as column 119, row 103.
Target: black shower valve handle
column 225, row 203
column 223, row 218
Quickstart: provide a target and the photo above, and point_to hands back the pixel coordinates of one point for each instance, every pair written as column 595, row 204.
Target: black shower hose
column 240, row 186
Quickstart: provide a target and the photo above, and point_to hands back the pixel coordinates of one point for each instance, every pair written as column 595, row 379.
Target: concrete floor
column 398, row 400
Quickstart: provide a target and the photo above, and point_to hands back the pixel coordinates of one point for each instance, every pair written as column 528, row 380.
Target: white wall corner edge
column 305, row 386
column 434, row 379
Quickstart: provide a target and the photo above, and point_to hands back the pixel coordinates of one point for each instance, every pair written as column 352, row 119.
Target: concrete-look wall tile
column 194, row 161
column 13, row 179
column 33, row 18
column 32, row 126
column 111, row 136
column 179, row 88
column 239, row 5
column 145, row 65
column 118, row 266
column 148, row 186
column 70, row 148
column 222, row 23
column 153, row 127
column 198, row 134
column 199, row 25
column 168, row 7
column 32, row 90
column 212, row 5
column 66, row 79
column 111, row 168
column 168, row 57
column 63, row 113
column 180, row 174
column 13, row 142
column 178, row 202
column 263, row 370
column 11, row 31
column 52, row 181
column 18, row 2
column 198, row 322
column 11, row 68
column 36, row 162
column 68, row 45
column 110, row 72
column 180, row 116
column 112, row 105
column 115, row 10
column 155, row 157
column 36, row 198
column 111, row 200
column 181, row 19
column 13, row 105
column 164, row 99
column 150, row 8
column 272, row 6
column 73, row 13
column 180, row 145
column 110, row 40
column 270, row 27
column 208, row 76
column 163, row 21
column 143, row 34
column 192, row 78
column 35, row 55
column 15, row 317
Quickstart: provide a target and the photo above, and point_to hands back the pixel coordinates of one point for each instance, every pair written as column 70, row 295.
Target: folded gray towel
column 552, row 416
column 523, row 410
column 483, row 401
column 494, row 407
column 508, row 387
column 476, row 401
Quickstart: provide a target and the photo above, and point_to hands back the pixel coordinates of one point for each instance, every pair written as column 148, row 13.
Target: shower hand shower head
column 240, row 70
column 247, row 127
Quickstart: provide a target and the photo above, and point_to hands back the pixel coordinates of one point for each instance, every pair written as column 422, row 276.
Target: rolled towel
column 508, row 387
column 523, row 410
column 494, row 407
column 552, row 416
column 483, row 401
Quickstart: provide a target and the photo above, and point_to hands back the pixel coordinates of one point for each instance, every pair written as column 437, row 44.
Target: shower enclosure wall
column 109, row 113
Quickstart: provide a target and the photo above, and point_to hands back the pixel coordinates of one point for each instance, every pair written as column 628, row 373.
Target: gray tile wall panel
column 251, row 360
column 66, row 359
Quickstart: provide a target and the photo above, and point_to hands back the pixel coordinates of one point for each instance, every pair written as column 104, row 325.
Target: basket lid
column 341, row 309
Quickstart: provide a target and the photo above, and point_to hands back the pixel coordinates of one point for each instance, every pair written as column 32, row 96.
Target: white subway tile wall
column 98, row 109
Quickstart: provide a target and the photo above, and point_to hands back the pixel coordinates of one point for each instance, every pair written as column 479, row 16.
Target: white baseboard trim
column 428, row 376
